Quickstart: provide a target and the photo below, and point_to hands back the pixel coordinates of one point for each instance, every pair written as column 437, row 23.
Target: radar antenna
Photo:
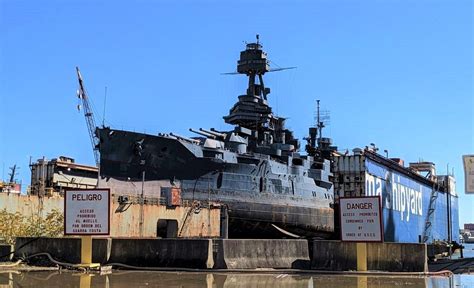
column 322, row 119
column 82, row 95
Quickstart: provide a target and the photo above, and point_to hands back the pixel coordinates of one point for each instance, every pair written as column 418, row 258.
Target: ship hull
column 250, row 220
column 261, row 196
column 267, row 216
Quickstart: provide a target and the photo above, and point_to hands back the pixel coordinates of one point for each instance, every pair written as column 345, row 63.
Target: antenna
column 318, row 123
column 322, row 119
column 105, row 103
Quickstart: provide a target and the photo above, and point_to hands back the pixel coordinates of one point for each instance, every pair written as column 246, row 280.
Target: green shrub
column 14, row 225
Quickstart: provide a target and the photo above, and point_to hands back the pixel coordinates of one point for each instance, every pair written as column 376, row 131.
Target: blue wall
column 405, row 205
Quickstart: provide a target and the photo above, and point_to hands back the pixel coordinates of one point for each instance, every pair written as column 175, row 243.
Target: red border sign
column 100, row 190
column 379, row 216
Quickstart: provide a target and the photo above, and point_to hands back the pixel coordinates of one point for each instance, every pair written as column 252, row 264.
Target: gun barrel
column 216, row 134
column 202, row 133
column 184, row 138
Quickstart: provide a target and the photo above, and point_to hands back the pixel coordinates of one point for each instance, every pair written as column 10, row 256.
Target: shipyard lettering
column 406, row 200
column 398, row 197
column 87, row 212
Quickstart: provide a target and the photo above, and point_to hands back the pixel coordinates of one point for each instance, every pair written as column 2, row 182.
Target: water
column 468, row 250
column 127, row 279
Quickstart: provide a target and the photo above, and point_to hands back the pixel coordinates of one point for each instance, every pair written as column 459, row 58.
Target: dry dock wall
column 62, row 249
column 30, row 205
column 234, row 253
column 182, row 253
column 187, row 253
column 393, row 257
column 261, row 253
column 5, row 251
column 125, row 218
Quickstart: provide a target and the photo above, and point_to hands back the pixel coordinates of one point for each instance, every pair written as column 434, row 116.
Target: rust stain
column 175, row 196
column 202, row 222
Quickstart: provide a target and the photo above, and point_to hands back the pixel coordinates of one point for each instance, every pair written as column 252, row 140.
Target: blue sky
column 395, row 73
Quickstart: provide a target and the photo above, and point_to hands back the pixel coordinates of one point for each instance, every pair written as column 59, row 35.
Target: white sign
column 87, row 212
column 469, row 173
column 361, row 219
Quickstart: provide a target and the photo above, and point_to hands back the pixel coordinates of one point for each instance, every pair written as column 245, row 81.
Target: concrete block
column 153, row 252
column 65, row 249
column 392, row 257
column 4, row 250
column 260, row 253
column 333, row 255
column 399, row 257
column 417, row 255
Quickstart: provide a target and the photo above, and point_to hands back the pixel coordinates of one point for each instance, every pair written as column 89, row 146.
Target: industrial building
column 53, row 176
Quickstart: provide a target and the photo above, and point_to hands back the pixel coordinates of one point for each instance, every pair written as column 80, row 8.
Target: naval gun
column 202, row 133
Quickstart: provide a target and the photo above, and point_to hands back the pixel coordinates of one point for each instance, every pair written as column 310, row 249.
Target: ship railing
column 134, row 199
column 235, row 185
column 187, row 203
column 150, row 200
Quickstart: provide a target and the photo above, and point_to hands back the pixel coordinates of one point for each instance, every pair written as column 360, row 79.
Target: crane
column 13, row 173
column 82, row 95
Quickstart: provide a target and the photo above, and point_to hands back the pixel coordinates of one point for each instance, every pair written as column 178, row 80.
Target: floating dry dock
column 418, row 205
column 230, row 253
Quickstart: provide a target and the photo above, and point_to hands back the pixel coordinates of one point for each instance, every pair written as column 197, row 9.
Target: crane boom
column 82, row 95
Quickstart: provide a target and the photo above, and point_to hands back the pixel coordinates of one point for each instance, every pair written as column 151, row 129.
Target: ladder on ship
column 430, row 215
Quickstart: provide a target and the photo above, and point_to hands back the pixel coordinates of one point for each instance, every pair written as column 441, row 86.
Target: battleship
column 256, row 170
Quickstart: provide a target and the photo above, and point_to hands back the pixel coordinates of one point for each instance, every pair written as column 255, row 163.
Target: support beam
column 361, row 256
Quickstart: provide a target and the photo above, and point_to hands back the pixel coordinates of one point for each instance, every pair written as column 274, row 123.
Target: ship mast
column 319, row 124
